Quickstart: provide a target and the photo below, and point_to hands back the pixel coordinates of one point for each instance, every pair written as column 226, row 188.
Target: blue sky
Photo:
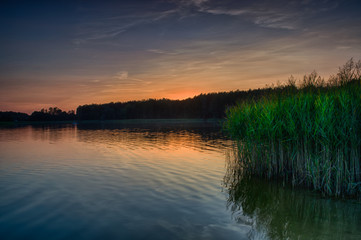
column 67, row 53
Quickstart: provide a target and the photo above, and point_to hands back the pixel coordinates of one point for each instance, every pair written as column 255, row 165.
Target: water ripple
column 125, row 183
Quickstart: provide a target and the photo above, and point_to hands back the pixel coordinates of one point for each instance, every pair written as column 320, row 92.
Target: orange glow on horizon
column 181, row 95
column 183, row 87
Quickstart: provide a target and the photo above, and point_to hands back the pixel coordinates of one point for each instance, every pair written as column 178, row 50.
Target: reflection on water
column 280, row 212
column 114, row 182
column 128, row 180
column 203, row 137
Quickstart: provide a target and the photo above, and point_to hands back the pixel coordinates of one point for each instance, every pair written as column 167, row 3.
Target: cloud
column 122, row 75
column 230, row 12
column 122, row 78
column 288, row 15
column 277, row 14
column 274, row 21
column 262, row 17
column 343, row 47
column 103, row 30
column 111, row 27
column 194, row 2
column 160, row 51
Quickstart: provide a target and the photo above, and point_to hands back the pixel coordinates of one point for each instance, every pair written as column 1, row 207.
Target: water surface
column 149, row 181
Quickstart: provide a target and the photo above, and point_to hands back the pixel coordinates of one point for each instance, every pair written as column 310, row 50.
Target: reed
column 276, row 211
column 309, row 136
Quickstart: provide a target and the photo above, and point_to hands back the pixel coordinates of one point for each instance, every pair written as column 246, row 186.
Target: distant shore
column 215, row 121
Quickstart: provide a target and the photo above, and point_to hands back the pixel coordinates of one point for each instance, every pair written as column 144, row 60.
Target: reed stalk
column 310, row 137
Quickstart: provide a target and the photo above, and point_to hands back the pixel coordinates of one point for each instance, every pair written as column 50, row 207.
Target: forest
column 51, row 114
column 203, row 106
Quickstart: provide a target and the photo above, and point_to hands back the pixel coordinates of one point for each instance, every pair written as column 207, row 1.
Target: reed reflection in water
column 150, row 181
column 280, row 212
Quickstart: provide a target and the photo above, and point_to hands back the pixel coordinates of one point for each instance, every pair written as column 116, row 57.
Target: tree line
column 203, row 106
column 50, row 114
column 211, row 105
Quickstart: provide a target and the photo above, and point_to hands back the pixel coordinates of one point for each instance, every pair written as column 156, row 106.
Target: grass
column 310, row 135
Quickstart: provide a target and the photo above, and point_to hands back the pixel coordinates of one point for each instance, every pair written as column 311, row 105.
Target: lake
column 150, row 180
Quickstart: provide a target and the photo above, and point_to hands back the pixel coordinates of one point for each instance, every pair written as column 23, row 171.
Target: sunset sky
column 70, row 53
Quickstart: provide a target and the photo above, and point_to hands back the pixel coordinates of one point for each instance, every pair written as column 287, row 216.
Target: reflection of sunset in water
column 131, row 183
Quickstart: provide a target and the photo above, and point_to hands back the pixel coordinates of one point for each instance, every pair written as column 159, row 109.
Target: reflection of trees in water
column 199, row 136
column 53, row 132
column 145, row 134
column 40, row 132
column 284, row 213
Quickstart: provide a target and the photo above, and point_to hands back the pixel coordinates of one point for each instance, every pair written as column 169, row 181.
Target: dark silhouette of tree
column 13, row 117
column 52, row 114
column 211, row 105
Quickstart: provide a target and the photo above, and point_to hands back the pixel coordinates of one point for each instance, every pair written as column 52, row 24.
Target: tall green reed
column 310, row 136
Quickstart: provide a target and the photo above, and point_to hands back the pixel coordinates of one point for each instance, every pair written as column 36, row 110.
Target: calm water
column 149, row 181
